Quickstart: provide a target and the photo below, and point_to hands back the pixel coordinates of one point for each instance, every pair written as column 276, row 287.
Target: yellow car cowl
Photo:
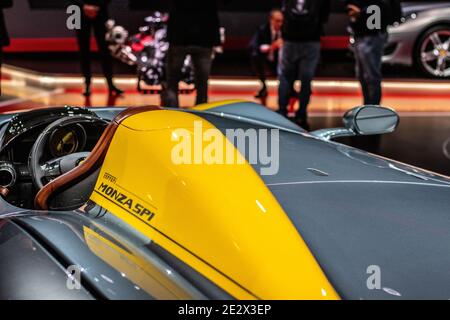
column 220, row 219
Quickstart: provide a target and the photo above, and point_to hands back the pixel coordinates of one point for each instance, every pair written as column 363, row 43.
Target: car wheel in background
column 446, row 148
column 433, row 52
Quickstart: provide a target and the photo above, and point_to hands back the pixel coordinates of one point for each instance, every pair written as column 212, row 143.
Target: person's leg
column 369, row 52
column 273, row 67
column 307, row 69
column 287, row 75
column 359, row 68
column 105, row 56
column 257, row 62
column 375, row 80
column 175, row 60
column 202, row 61
column 376, row 75
column 83, row 39
column 368, row 55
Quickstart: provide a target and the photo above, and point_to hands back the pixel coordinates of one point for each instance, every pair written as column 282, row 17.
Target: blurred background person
column 4, row 37
column 264, row 49
column 193, row 29
column 370, row 42
column 302, row 29
column 369, row 45
column 94, row 16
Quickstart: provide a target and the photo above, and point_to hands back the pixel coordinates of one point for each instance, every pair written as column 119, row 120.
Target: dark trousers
column 298, row 62
column 261, row 66
column 84, row 38
column 202, row 61
column 368, row 54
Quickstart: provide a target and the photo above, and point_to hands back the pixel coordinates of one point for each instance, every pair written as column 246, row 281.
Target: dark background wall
column 46, row 19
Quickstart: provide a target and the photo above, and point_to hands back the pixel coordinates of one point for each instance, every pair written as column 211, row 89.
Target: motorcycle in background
column 147, row 50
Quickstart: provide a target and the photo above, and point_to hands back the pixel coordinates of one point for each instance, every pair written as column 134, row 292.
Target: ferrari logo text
column 125, row 202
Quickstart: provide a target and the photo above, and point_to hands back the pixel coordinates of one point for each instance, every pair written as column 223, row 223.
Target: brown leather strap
column 92, row 163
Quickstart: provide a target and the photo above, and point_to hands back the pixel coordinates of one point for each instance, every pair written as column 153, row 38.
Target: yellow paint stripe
column 209, row 106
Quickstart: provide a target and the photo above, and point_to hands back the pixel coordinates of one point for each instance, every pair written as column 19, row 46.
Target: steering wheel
column 42, row 173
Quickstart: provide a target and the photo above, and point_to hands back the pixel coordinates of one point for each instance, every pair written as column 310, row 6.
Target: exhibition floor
column 424, row 106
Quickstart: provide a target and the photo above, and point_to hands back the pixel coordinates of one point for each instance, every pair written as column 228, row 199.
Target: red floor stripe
column 70, row 44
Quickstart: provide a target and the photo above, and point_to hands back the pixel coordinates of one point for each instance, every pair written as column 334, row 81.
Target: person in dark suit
column 264, row 49
column 94, row 14
column 370, row 42
column 193, row 30
column 4, row 37
column 303, row 26
column 368, row 48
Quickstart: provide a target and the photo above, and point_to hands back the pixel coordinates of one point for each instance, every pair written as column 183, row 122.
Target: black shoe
column 282, row 113
column 87, row 91
column 113, row 90
column 262, row 94
column 302, row 122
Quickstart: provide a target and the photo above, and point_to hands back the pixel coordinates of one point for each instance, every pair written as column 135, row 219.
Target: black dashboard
column 18, row 135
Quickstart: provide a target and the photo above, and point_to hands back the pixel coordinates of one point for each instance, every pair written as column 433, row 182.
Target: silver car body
column 418, row 19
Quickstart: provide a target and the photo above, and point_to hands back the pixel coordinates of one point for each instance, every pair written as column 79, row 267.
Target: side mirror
column 363, row 121
column 369, row 120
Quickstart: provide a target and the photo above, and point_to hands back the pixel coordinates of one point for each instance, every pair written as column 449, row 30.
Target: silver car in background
column 422, row 39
